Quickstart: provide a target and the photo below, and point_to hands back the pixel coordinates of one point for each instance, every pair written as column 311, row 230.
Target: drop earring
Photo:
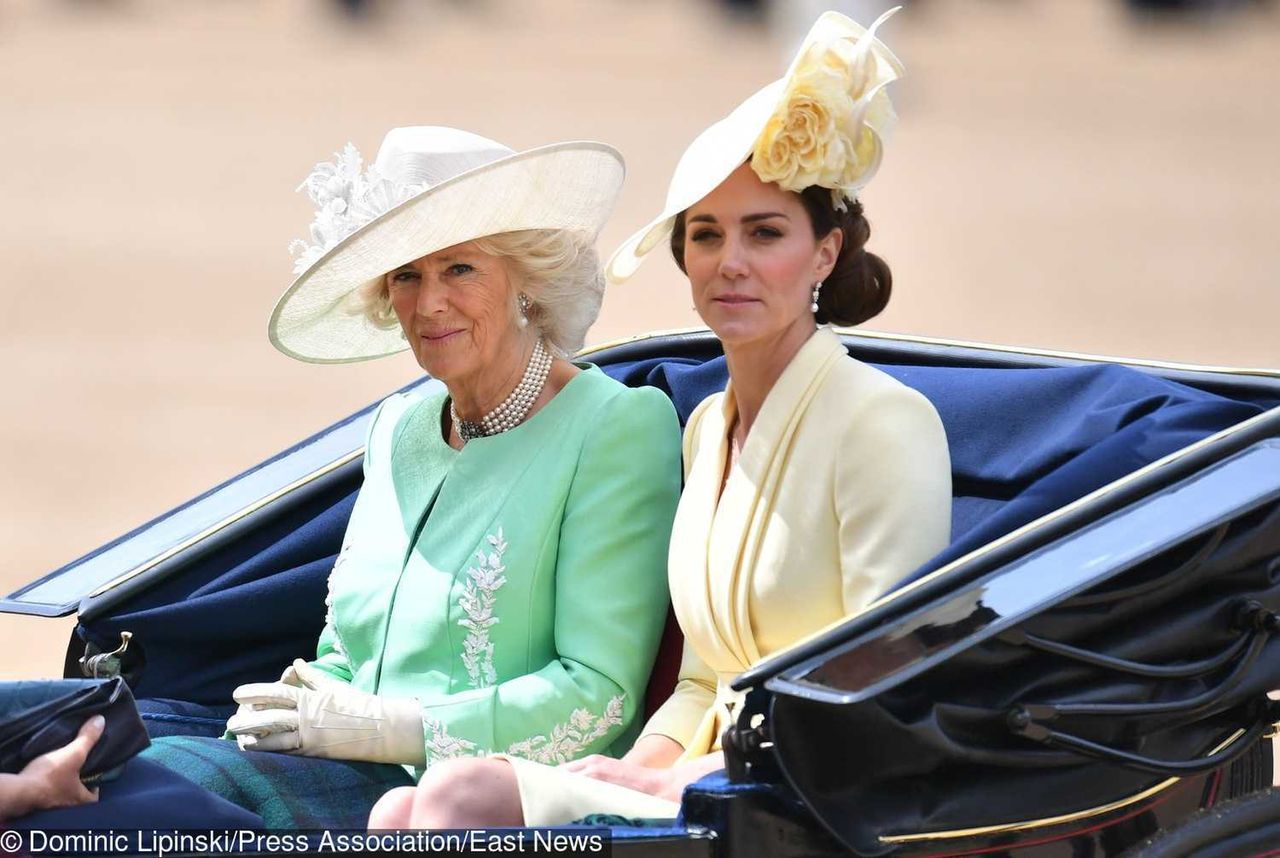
column 523, row 302
column 817, row 288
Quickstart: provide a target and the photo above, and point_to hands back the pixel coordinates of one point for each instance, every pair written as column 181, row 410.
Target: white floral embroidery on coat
column 569, row 740
column 477, row 602
column 441, row 746
column 328, row 602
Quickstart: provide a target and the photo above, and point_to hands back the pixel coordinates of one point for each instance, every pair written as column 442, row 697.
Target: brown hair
column 859, row 285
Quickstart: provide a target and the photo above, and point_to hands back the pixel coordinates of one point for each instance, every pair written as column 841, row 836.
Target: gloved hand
column 325, row 717
column 303, row 675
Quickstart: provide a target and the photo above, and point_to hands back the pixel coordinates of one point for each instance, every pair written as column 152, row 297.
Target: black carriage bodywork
column 1069, row 688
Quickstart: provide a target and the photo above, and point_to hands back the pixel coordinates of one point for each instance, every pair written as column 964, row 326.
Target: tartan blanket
column 287, row 791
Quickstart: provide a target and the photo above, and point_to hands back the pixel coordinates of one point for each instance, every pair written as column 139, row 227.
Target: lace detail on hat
column 346, row 198
column 477, row 601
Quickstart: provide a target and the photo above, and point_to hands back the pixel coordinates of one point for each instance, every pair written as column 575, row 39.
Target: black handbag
column 39, row 716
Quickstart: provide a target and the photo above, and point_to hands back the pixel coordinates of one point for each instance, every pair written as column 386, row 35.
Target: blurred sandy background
column 1061, row 177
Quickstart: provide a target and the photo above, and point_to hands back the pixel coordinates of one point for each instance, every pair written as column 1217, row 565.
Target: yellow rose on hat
column 803, row 143
column 828, row 127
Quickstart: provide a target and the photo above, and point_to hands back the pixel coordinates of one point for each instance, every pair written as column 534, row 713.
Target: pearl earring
column 817, row 287
column 522, row 300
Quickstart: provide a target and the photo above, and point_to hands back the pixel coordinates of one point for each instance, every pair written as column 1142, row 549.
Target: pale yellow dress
column 842, row 488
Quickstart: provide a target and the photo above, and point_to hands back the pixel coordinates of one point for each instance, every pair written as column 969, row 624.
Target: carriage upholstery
column 1023, row 443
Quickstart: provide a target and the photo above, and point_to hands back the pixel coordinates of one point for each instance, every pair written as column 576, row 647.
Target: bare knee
column 467, row 793
column 393, row 810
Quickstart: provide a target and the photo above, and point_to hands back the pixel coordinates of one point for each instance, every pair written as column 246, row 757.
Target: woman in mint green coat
column 501, row 586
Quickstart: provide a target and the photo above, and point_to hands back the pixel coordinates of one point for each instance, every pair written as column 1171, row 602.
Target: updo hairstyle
column 859, row 285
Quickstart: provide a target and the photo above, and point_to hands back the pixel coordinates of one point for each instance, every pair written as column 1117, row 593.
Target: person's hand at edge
column 52, row 780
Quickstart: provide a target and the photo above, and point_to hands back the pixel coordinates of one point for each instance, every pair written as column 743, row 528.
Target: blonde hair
column 558, row 269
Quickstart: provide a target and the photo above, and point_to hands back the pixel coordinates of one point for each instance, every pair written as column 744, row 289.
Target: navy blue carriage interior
column 1027, row 436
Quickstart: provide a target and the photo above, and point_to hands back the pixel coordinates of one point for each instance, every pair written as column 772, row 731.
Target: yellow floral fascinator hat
column 823, row 123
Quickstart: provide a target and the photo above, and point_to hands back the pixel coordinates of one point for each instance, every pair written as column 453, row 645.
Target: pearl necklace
column 514, row 408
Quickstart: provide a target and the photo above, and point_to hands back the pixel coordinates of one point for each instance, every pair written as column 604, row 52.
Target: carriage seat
column 1023, row 442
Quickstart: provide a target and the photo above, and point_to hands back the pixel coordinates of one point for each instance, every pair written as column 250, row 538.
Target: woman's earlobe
column 523, row 306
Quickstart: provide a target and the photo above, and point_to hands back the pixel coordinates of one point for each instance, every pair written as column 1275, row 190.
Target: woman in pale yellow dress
column 813, row 483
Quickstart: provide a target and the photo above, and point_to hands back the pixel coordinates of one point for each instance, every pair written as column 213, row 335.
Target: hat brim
column 564, row 186
column 709, row 160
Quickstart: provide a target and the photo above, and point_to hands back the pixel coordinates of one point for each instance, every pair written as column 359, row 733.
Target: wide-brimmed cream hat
column 822, row 123
column 428, row 188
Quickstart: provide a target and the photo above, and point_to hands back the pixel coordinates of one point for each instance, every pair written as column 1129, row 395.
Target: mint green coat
column 516, row 588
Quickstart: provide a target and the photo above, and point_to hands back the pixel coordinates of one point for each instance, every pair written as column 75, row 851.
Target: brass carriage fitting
column 105, row 664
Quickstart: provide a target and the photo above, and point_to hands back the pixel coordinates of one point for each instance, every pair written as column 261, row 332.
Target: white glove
column 299, row 674
column 303, row 675
column 327, row 718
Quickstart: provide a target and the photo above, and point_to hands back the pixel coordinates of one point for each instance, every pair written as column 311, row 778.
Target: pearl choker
column 514, row 408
